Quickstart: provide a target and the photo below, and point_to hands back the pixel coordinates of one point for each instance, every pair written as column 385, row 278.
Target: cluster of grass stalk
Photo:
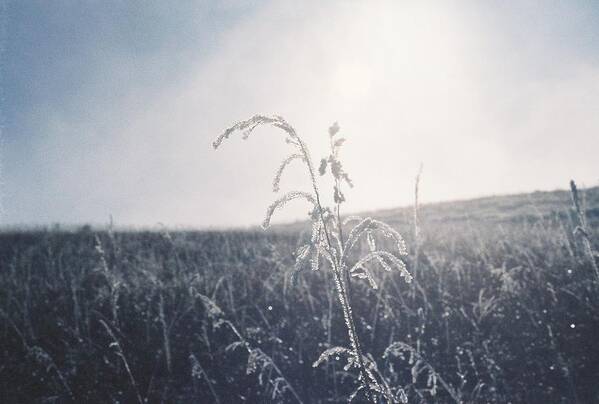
column 328, row 243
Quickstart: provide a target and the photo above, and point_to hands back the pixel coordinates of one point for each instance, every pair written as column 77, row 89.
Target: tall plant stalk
column 328, row 240
column 582, row 229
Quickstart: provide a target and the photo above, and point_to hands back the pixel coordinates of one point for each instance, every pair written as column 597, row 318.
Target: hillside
column 499, row 208
column 535, row 206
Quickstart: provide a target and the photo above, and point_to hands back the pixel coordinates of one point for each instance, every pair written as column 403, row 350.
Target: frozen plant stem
column 337, row 268
column 582, row 228
column 416, row 221
column 328, row 243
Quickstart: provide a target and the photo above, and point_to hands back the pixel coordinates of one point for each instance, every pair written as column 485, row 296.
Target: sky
column 109, row 108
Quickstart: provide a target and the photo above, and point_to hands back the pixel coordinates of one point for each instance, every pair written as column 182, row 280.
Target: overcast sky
column 110, row 107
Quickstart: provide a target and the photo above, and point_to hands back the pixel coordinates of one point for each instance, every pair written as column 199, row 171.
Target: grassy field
column 504, row 308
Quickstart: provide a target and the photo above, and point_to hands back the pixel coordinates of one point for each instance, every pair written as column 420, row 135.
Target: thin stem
column 121, row 354
column 337, row 271
column 336, row 257
column 582, row 226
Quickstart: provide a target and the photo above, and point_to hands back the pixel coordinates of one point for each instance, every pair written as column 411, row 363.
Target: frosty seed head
column 282, row 201
column 333, row 129
column 277, row 180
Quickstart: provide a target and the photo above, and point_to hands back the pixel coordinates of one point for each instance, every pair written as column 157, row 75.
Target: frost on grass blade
column 390, row 258
column 302, row 255
column 212, row 309
column 356, row 232
column 371, row 241
column 338, row 350
column 284, row 164
column 252, row 364
column 246, row 127
column 279, row 203
column 371, row 226
column 353, row 395
column 365, row 274
column 372, row 248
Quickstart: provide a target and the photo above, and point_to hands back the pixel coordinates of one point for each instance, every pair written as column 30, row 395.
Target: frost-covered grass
column 502, row 308
column 337, row 248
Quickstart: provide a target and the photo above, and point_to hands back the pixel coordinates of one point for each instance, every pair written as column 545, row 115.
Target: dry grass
column 500, row 310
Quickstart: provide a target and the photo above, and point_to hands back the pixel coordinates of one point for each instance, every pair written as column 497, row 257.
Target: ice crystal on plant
column 279, row 203
column 327, row 242
column 284, row 164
